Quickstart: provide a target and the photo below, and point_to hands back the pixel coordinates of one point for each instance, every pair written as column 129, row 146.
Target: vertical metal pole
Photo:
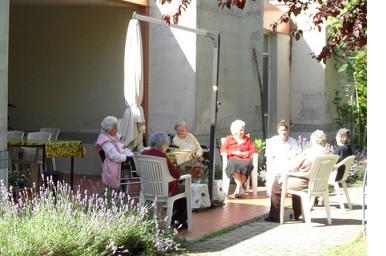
column 215, row 36
column 72, row 173
column 213, row 113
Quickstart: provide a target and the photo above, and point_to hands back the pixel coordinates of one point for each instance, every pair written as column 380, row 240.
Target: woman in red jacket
column 239, row 148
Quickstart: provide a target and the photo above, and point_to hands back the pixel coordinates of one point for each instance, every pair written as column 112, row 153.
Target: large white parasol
column 132, row 126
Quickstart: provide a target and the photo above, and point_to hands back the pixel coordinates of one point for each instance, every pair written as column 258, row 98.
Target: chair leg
column 327, row 205
column 339, row 195
column 344, row 185
column 170, row 212
column 282, row 200
column 53, row 164
column 306, row 208
column 254, row 181
column 189, row 212
column 225, row 183
column 254, row 174
column 282, row 206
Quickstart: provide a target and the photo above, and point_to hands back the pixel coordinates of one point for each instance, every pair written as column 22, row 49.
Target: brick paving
column 293, row 238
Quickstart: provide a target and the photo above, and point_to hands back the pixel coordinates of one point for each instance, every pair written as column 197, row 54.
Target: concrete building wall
column 66, row 66
column 172, row 71
column 66, row 71
column 283, row 80
column 4, row 29
column 308, row 79
column 180, row 71
column 241, row 37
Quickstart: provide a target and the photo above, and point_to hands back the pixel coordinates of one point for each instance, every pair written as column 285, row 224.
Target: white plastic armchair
column 15, row 135
column 54, row 136
column 13, row 152
column 32, row 156
column 226, row 180
column 154, row 175
column 348, row 163
column 317, row 187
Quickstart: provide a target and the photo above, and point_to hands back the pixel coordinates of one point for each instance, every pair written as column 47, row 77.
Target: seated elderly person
column 300, row 165
column 186, row 141
column 114, row 152
column 159, row 143
column 239, row 149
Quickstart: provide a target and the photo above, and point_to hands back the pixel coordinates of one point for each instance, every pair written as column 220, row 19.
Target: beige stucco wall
column 180, row 71
column 172, row 71
column 241, row 33
column 308, row 79
column 283, row 80
column 4, row 21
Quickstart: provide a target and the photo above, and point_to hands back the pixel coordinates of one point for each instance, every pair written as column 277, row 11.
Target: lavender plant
column 57, row 221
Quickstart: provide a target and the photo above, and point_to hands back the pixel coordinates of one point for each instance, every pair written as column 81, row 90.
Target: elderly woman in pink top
column 114, row 151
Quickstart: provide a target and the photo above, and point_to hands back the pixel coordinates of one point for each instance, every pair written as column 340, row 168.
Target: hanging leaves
column 182, row 6
column 349, row 18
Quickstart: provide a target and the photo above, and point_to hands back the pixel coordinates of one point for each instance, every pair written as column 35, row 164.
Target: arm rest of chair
column 188, row 181
column 298, row 174
column 255, row 158
column 186, row 177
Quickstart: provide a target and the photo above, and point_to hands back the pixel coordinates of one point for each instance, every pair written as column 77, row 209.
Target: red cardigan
column 174, row 171
column 230, row 145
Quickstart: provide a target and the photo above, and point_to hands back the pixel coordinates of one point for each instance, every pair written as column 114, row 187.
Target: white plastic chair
column 54, row 137
column 32, row 156
column 13, row 152
column 155, row 177
column 348, row 163
column 226, row 181
column 15, row 135
column 317, row 187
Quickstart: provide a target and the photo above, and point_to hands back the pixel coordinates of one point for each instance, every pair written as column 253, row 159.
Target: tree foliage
column 351, row 99
column 349, row 28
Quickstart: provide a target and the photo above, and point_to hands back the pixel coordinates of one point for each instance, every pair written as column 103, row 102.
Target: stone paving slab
column 294, row 237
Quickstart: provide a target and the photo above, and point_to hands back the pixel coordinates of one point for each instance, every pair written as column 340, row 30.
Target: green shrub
column 262, row 161
column 56, row 221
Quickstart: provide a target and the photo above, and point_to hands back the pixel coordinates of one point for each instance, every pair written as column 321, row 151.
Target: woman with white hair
column 185, row 140
column 239, row 149
column 301, row 165
column 114, row 152
column 159, row 143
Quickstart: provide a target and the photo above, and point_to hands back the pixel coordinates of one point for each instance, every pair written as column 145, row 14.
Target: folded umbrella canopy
column 132, row 126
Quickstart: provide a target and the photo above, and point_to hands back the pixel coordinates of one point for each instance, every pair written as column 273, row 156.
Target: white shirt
column 279, row 153
column 190, row 143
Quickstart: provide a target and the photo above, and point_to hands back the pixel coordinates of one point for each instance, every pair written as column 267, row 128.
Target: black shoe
column 269, row 219
column 293, row 218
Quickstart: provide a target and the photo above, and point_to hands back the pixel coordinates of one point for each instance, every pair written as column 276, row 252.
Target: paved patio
column 258, row 237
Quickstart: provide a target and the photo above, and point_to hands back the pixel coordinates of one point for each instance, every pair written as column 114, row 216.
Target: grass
column 358, row 247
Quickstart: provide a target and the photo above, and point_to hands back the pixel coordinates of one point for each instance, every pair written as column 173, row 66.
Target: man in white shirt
column 280, row 149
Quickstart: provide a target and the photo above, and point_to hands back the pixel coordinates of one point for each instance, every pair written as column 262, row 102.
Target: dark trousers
column 179, row 211
column 274, row 211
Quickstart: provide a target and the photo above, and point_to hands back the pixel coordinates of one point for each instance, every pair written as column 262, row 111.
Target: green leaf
column 343, row 68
